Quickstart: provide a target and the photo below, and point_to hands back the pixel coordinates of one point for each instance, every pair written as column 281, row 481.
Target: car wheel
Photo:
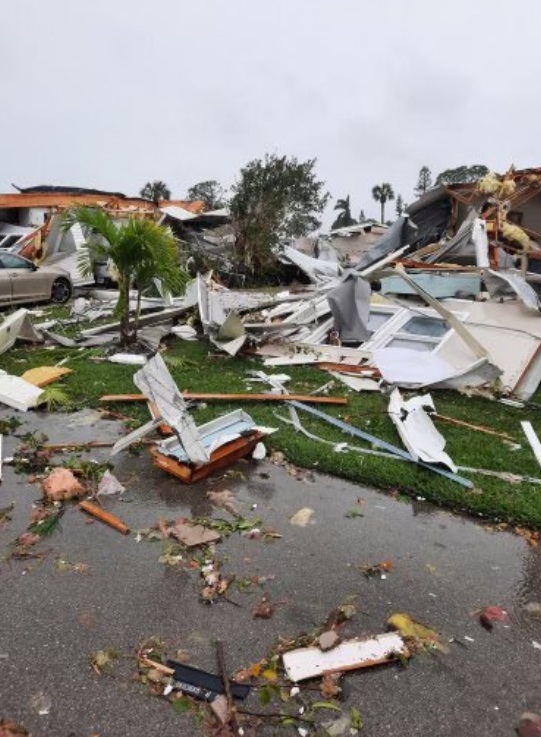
column 61, row 291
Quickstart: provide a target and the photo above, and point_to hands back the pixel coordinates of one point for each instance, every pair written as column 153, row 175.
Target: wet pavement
column 445, row 567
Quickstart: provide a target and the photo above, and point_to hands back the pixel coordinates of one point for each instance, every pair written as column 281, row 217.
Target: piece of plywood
column 43, row 375
column 311, row 662
column 193, row 535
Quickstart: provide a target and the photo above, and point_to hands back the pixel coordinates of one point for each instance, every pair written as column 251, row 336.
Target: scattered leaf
column 65, row 565
column 264, row 610
column 531, row 536
column 181, row 705
column 27, row 539
column 326, row 705
column 491, row 614
column 9, row 728
column 5, row 513
column 102, row 658
column 410, row 629
column 353, row 513
column 329, row 686
column 356, row 718
column 377, row 569
column 265, row 695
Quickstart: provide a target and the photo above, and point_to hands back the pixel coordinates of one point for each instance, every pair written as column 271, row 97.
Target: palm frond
column 57, row 398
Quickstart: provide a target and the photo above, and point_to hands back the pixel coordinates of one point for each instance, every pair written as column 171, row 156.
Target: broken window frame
column 393, row 330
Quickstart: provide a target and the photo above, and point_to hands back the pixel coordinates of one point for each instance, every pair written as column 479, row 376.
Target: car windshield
column 9, row 261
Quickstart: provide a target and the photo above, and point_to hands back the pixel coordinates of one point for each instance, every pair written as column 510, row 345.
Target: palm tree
column 141, row 250
column 344, row 219
column 383, row 193
column 156, row 191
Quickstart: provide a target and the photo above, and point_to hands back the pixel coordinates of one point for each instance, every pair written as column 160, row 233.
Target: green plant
column 140, row 250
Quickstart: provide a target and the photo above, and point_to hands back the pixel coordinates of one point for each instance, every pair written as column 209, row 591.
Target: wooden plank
column 345, row 368
column 311, row 662
column 233, row 398
column 478, row 428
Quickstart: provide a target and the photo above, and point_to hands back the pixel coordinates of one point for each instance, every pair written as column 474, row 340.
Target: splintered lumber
column 345, row 368
column 96, row 511
column 233, row 398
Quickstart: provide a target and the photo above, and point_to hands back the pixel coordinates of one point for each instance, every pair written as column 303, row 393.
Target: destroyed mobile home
column 435, row 303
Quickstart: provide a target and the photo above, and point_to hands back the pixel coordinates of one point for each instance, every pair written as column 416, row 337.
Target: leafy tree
column 399, row 206
column 383, row 193
column 344, row 218
column 210, row 192
column 275, row 198
column 362, row 217
column 462, row 174
column 156, row 191
column 140, row 250
column 424, row 181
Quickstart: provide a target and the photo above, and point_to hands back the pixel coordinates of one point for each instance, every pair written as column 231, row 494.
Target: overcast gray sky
column 112, row 93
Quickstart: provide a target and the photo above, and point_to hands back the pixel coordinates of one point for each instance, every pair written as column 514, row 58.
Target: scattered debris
column 103, row 516
column 327, row 640
column 532, row 438
column 265, row 609
column 9, row 728
column 192, row 535
column 529, row 725
column 417, row 430
column 303, row 517
column 61, row 485
column 378, row 570
column 18, row 393
column 491, row 614
column 109, row 485
column 64, row 566
column 310, row 662
column 201, row 684
column 226, row 500
column 44, row 375
column 419, row 634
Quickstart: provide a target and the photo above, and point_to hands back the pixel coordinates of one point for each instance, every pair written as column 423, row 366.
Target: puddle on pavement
column 445, row 567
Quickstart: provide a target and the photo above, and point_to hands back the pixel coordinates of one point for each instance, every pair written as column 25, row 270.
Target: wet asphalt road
column 444, row 568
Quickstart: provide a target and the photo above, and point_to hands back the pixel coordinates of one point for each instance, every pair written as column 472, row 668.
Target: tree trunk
column 123, row 308
column 137, row 313
column 382, row 211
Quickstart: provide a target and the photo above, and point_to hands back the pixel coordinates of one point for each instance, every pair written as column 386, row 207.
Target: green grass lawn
column 196, row 367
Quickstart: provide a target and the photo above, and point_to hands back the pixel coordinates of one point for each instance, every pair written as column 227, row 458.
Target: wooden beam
column 233, row 398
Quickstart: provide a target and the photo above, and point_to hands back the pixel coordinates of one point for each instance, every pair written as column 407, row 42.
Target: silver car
column 22, row 281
